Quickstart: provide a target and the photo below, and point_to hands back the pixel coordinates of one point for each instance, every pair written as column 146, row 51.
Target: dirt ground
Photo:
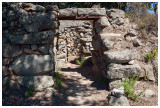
column 79, row 88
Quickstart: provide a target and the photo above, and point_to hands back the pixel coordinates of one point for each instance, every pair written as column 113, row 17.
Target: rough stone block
column 122, row 71
column 68, row 12
column 32, row 64
column 36, row 83
column 123, row 56
column 91, row 12
column 35, row 38
column 37, row 22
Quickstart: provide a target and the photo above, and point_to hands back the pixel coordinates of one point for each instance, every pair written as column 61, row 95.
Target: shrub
column 129, row 88
column 151, row 55
column 82, row 62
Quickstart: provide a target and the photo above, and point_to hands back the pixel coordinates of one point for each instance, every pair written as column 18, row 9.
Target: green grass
column 129, row 88
column 151, row 55
column 82, row 61
column 58, row 79
column 29, row 92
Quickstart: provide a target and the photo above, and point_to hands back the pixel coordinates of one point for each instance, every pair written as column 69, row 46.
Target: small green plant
column 29, row 92
column 58, row 81
column 129, row 88
column 151, row 55
column 82, row 62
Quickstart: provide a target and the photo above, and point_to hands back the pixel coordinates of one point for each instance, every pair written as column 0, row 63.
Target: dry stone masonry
column 38, row 40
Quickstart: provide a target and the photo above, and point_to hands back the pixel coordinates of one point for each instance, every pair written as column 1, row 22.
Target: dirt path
column 80, row 88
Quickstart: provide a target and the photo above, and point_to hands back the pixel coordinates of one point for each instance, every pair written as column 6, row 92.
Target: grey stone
column 120, row 21
column 24, row 5
column 37, row 22
column 33, row 47
column 10, row 50
column 5, row 71
column 122, row 71
column 122, row 101
column 117, row 92
column 149, row 93
column 52, row 8
column 32, row 64
column 132, row 32
column 137, row 42
column 91, row 12
column 149, row 72
column 114, row 84
column 44, row 48
column 68, row 12
column 116, row 13
column 36, row 83
column 123, row 56
column 103, row 22
column 33, row 38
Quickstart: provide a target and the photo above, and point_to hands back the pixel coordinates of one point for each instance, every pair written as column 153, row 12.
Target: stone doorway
column 74, row 40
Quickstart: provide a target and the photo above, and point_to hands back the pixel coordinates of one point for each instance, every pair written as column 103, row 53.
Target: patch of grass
column 29, row 92
column 82, row 61
column 58, row 79
column 151, row 55
column 129, row 88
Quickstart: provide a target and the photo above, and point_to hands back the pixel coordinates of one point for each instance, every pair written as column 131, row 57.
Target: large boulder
column 5, row 71
column 122, row 71
column 10, row 50
column 69, row 12
column 32, row 64
column 37, row 22
column 36, row 83
column 91, row 12
column 123, row 56
column 33, row 38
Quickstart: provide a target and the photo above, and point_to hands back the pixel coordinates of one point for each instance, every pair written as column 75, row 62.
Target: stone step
column 119, row 56
column 122, row 71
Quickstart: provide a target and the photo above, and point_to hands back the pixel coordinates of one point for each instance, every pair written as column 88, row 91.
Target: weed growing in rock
column 82, row 62
column 29, row 92
column 58, row 81
column 129, row 88
column 151, row 55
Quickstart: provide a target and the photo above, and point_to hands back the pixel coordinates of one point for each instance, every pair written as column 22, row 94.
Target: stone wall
column 28, row 34
column 119, row 50
column 36, row 43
